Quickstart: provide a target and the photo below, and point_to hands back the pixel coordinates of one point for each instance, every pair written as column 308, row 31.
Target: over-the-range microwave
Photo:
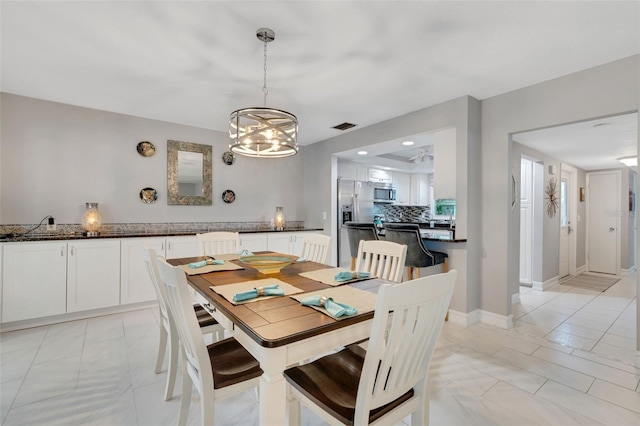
column 384, row 193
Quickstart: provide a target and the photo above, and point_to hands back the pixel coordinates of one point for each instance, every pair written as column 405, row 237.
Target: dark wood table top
column 280, row 320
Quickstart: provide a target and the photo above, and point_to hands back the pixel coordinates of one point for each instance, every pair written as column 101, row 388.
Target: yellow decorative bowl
column 268, row 263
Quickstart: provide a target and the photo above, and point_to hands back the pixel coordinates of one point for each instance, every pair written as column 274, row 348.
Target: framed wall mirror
column 188, row 174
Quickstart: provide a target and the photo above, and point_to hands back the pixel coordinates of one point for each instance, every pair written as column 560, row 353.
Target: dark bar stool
column 418, row 256
column 356, row 232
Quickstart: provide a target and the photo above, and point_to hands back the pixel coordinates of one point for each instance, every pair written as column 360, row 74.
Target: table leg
column 273, row 392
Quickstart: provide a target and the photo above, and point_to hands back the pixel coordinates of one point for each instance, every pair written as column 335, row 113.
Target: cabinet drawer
column 214, row 312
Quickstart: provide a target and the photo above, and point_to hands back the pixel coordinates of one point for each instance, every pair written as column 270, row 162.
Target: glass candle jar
column 91, row 221
column 279, row 219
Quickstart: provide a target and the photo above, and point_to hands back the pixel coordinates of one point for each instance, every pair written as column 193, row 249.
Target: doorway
column 568, row 197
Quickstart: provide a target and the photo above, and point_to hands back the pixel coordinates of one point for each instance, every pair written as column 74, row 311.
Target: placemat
column 226, row 266
column 227, row 256
column 228, row 290
column 364, row 301
column 326, row 276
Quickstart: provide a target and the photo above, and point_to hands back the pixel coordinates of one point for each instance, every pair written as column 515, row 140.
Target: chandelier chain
column 265, row 91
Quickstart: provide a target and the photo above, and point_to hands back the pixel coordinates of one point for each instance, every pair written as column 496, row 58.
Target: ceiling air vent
column 344, row 126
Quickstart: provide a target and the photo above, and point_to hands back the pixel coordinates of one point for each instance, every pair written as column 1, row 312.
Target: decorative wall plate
column 146, row 149
column 228, row 158
column 148, row 195
column 228, row 196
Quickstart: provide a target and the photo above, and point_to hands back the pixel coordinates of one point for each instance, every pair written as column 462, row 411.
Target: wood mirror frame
column 173, row 188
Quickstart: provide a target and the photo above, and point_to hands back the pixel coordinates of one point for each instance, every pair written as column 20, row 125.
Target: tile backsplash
column 396, row 213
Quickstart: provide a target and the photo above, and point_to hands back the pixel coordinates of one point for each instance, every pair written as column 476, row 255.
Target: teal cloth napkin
column 244, row 252
column 301, row 259
column 334, row 308
column 270, row 290
column 202, row 263
column 349, row 275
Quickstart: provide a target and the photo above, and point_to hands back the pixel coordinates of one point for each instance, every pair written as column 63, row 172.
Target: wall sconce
column 279, row 219
column 91, row 221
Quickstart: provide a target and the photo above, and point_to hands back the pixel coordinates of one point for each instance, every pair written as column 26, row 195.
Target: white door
column 603, row 202
column 565, row 224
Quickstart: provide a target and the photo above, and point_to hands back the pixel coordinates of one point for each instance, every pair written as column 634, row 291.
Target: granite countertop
column 80, row 236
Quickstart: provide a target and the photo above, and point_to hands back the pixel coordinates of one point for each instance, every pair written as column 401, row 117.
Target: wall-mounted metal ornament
column 148, row 195
column 146, row 149
column 228, row 158
column 551, row 197
column 228, row 196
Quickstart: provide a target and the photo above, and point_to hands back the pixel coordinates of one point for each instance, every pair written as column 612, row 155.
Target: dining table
column 279, row 331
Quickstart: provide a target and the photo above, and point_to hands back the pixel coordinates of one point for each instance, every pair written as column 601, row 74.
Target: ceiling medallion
column 261, row 131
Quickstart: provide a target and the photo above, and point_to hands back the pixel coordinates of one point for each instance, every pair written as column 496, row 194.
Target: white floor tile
column 617, row 395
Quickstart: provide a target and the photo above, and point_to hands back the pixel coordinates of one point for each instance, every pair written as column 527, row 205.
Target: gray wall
column 56, row 157
column 601, row 91
column 463, row 114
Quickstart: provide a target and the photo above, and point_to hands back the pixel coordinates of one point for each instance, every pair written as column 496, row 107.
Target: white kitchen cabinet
column 402, row 183
column 382, row 176
column 135, row 282
column 419, row 195
column 253, row 242
column 182, row 246
column 93, row 274
column 353, row 171
column 34, row 278
column 286, row 242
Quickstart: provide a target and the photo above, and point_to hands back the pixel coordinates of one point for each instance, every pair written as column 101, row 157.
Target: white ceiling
column 332, row 61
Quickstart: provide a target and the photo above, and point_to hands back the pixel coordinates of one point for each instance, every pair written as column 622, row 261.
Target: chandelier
column 262, row 131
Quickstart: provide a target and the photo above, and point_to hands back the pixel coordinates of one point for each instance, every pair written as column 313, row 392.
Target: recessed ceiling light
column 386, row 168
column 362, row 152
column 629, row 161
column 408, row 143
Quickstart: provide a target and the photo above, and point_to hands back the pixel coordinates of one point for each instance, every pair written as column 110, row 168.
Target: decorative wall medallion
column 551, row 197
column 228, row 196
column 228, row 158
column 146, row 149
column 148, row 195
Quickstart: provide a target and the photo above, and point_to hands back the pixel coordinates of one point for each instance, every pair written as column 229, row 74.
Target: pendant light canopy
column 262, row 131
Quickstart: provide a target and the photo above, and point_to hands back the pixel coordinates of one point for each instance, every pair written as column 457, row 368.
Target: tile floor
column 569, row 360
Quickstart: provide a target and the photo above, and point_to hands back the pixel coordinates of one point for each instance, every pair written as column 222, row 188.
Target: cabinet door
column 253, row 242
column 135, row 283
column 297, row 241
column 34, row 280
column 347, row 171
column 280, row 242
column 377, row 175
column 93, row 279
column 402, row 183
column 185, row 246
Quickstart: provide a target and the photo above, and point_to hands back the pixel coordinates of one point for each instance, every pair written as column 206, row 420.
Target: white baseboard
column 38, row 322
column 542, row 286
column 581, row 269
column 627, row 272
column 485, row 317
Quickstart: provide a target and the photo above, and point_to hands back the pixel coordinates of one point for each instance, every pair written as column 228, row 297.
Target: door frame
column 572, row 213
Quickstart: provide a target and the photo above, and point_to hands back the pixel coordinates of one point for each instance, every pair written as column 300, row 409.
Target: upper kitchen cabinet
column 402, row 182
column 419, row 193
column 382, row 176
column 444, row 164
column 353, row 171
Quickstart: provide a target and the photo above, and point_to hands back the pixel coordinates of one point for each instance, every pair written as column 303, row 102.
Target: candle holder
column 279, row 219
column 91, row 221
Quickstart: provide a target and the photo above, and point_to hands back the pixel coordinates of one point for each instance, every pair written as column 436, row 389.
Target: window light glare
column 408, row 143
column 362, row 152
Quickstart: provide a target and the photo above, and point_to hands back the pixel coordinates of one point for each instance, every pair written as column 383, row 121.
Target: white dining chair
column 315, row 247
column 383, row 259
column 217, row 371
column 389, row 380
column 168, row 334
column 220, row 242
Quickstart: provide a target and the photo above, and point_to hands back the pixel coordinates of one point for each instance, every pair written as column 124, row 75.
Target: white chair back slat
column 406, row 326
column 315, row 248
column 383, row 259
column 212, row 243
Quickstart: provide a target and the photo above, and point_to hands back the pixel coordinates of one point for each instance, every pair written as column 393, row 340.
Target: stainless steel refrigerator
column 355, row 204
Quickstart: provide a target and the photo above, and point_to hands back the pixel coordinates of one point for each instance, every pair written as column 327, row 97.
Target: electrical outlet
column 51, row 224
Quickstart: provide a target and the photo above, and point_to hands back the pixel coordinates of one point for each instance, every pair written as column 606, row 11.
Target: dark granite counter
column 133, row 234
